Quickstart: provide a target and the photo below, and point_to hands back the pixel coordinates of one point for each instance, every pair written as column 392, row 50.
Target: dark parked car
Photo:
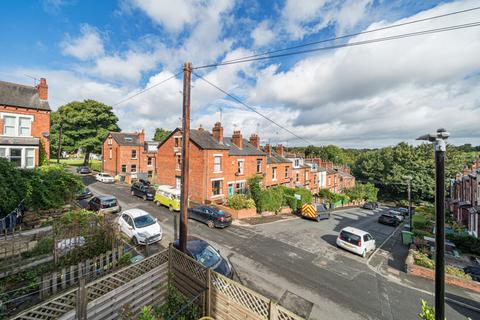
column 104, row 204
column 389, row 219
column 473, row 271
column 84, row 170
column 212, row 216
column 83, row 193
column 403, row 211
column 202, row 252
column 143, row 190
column 370, row 205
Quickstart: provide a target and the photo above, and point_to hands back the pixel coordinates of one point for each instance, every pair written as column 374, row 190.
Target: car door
column 207, row 215
column 129, row 228
column 370, row 242
column 196, row 213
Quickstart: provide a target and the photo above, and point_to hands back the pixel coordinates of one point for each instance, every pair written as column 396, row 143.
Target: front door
column 230, row 189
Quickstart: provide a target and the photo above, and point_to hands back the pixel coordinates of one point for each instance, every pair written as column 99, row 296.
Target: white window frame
column 243, row 186
column 259, row 165
column 241, row 166
column 23, row 161
column 110, row 153
column 215, row 157
column 16, row 128
column 222, row 189
column 274, row 173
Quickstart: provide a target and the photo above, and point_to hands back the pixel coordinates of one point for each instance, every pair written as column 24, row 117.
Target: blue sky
column 357, row 97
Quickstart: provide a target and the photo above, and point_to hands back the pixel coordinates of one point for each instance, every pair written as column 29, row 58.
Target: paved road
column 296, row 263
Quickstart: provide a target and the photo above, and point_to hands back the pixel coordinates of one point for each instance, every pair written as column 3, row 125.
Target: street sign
column 298, row 197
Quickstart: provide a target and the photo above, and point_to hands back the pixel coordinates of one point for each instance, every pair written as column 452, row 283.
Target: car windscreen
column 222, row 213
column 109, row 203
column 207, row 256
column 144, row 221
column 350, row 237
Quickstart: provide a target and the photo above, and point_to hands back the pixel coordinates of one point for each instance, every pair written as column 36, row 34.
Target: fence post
column 272, row 310
column 81, row 302
column 208, row 294
column 170, row 258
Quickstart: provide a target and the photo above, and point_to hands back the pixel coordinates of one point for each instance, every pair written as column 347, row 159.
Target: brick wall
column 40, row 124
column 281, row 179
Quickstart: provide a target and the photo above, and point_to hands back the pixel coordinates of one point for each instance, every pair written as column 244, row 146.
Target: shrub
column 419, row 221
column 255, row 189
column 466, row 244
column 43, row 246
column 240, row 201
column 271, row 199
column 290, row 200
column 173, row 303
column 421, row 259
column 12, row 187
column 421, row 233
column 428, row 312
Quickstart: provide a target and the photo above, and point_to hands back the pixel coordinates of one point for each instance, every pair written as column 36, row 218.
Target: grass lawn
column 95, row 165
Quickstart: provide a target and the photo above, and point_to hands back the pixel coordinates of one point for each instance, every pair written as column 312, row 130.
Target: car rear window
column 109, row 203
column 350, row 237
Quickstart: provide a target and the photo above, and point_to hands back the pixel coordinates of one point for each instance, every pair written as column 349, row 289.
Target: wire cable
column 355, row 34
column 251, row 108
column 147, row 89
column 351, row 44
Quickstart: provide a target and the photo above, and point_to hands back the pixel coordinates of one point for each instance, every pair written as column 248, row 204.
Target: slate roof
column 24, row 141
column 247, row 150
column 122, row 139
column 18, row 95
column 276, row 158
column 346, row 175
column 204, row 140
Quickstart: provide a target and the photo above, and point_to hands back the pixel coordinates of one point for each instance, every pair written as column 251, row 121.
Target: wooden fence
column 145, row 283
column 89, row 269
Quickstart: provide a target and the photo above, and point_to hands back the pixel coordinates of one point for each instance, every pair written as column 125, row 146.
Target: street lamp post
column 438, row 140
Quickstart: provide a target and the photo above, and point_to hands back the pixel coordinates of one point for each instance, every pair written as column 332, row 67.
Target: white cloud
column 88, row 46
column 262, row 34
column 172, row 14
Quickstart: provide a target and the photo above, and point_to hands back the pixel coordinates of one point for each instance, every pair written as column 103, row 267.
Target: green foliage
column 43, row 246
column 125, row 259
column 13, row 187
column 421, row 259
column 271, row 199
column 466, row 244
column 174, row 302
column 147, row 313
column 51, row 187
column 361, row 191
column 330, row 153
column 387, row 167
column 421, row 233
column 161, row 134
column 428, row 312
column 85, row 125
column 42, row 155
column 254, row 189
column 419, row 222
column 240, row 201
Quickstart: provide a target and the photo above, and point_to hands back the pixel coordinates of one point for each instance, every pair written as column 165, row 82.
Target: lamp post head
column 438, row 138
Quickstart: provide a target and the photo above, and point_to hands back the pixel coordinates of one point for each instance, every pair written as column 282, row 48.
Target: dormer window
column 128, row 139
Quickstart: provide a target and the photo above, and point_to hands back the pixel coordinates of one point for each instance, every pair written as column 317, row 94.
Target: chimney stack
column 141, row 136
column 255, row 140
column 217, row 132
column 237, row 139
column 279, row 149
column 42, row 89
column 268, row 149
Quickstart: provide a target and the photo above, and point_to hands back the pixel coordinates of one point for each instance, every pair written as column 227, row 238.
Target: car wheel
column 210, row 224
column 132, row 193
column 144, row 197
column 135, row 241
column 171, row 208
column 364, row 253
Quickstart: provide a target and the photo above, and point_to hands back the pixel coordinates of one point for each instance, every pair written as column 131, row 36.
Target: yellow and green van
column 168, row 196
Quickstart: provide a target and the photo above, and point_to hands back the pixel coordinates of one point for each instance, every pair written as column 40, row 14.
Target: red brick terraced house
column 338, row 178
column 219, row 166
column 279, row 168
column 24, row 123
column 301, row 175
column 464, row 200
column 129, row 156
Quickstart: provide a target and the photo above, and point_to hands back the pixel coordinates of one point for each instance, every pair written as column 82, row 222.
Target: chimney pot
column 255, row 140
column 237, row 139
column 279, row 149
column 268, row 149
column 217, row 132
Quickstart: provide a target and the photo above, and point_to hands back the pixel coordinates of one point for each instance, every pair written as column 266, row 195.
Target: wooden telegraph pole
column 59, row 141
column 187, row 73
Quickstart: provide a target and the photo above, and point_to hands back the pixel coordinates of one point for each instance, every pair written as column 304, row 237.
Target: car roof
column 169, row 189
column 107, row 197
column 193, row 243
column 135, row 212
column 355, row 231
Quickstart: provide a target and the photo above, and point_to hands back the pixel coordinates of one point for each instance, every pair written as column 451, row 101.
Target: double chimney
column 217, row 132
column 42, row 89
column 237, row 139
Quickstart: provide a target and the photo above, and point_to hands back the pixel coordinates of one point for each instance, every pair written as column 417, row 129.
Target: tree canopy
column 161, row 134
column 85, row 125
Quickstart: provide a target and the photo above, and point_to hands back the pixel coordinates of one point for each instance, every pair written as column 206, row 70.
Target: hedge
column 240, row 201
column 271, row 199
column 421, row 259
column 466, row 244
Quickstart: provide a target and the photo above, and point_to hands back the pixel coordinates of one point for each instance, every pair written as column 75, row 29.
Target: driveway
column 296, row 263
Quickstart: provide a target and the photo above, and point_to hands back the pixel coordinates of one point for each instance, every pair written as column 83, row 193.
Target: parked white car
column 140, row 226
column 104, row 177
column 356, row 241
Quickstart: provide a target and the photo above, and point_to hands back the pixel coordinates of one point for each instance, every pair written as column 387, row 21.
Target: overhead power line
column 351, row 44
column 251, row 108
column 147, row 89
column 354, row 34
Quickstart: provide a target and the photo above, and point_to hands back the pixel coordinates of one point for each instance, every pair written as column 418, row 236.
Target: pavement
column 295, row 262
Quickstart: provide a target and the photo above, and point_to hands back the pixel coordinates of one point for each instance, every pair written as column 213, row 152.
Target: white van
column 356, row 241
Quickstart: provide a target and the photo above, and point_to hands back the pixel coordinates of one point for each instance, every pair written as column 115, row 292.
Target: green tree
column 254, row 189
column 161, row 134
column 13, row 187
column 85, row 125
